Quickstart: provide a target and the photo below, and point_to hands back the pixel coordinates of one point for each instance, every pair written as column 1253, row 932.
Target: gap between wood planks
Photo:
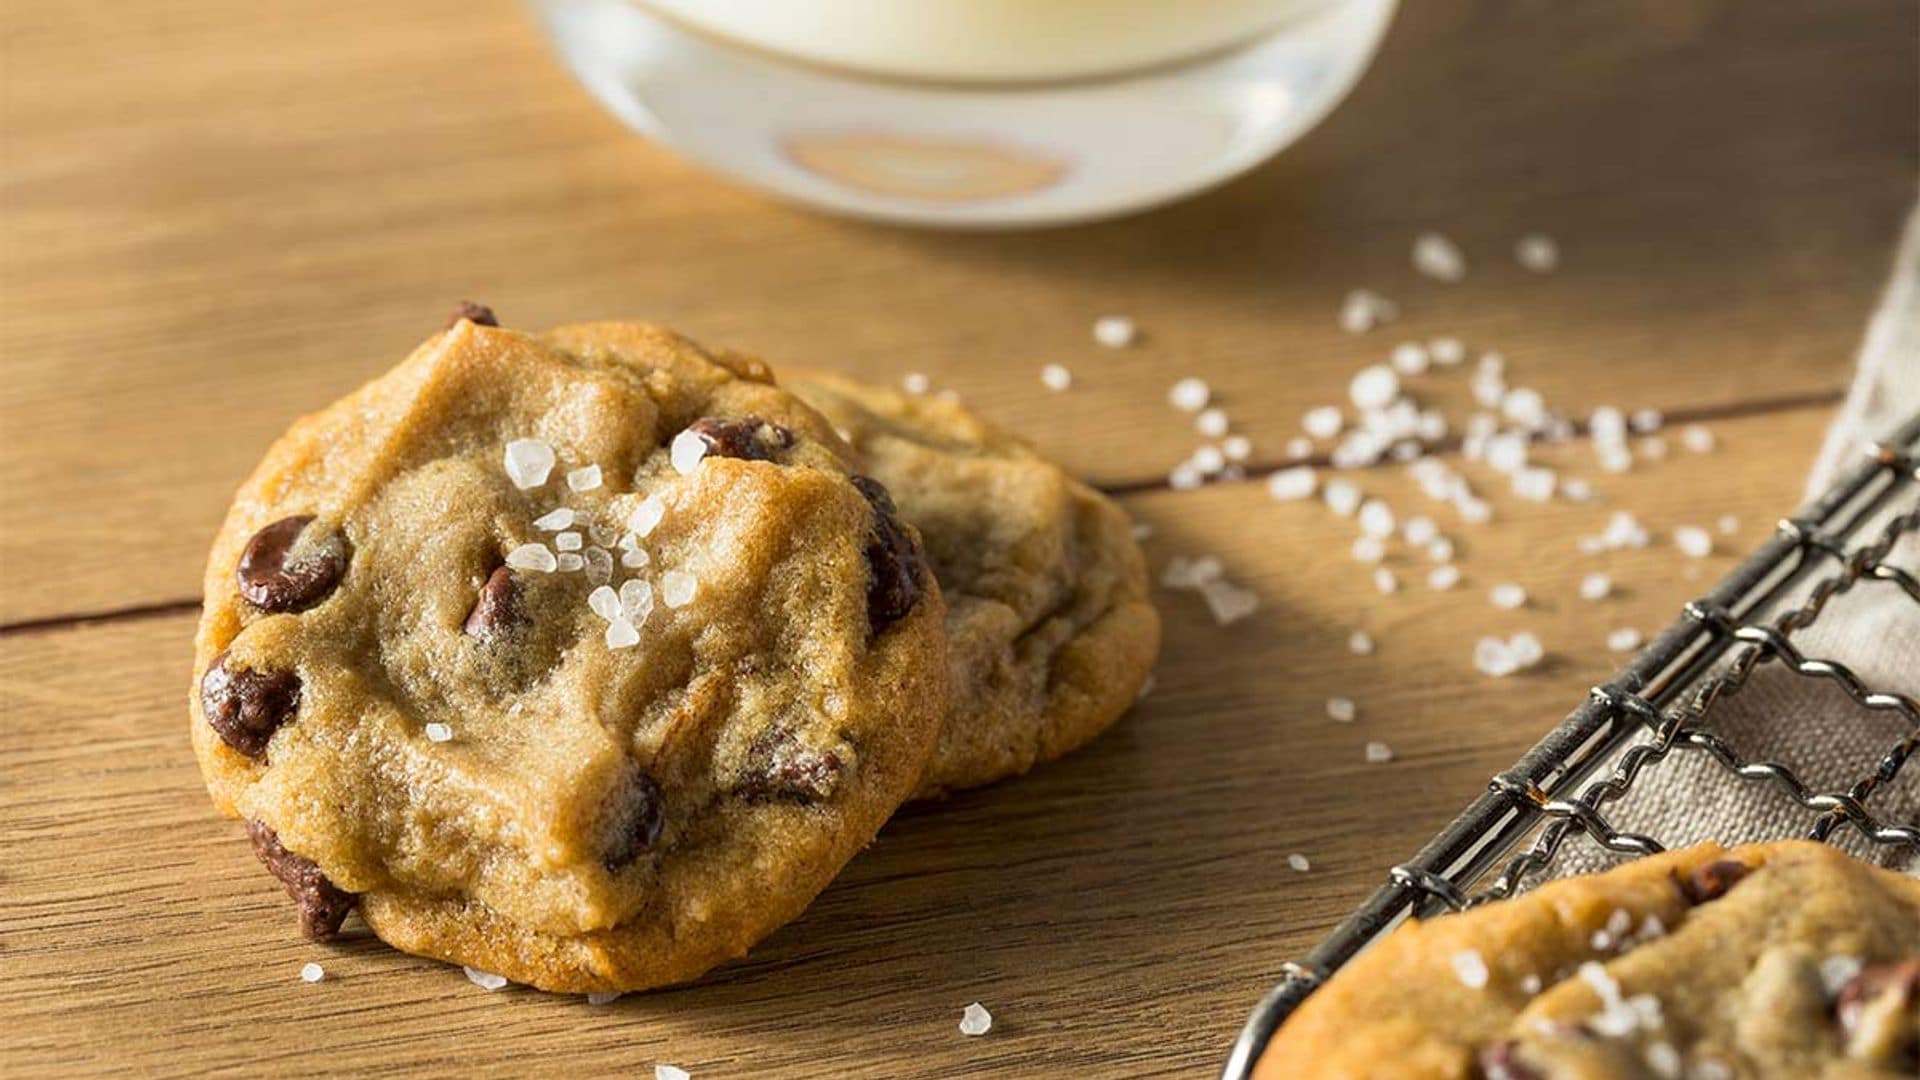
column 1254, row 472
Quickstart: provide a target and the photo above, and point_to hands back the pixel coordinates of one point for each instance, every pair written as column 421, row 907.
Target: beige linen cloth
column 1810, row 724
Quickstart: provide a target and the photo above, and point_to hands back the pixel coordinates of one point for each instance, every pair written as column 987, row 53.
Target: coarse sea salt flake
column 1439, row 258
column 1625, row 639
column 311, row 972
column 554, row 520
column 604, row 602
column 1360, row 643
column 585, row 478
column 1447, row 351
column 1492, row 656
column 1378, row 753
column 1229, row 603
column 603, row 997
column 1728, row 524
column 1189, row 395
column 1376, row 519
column 1386, row 581
column 1323, row 422
column 1508, row 596
column 1211, row 423
column 1443, row 577
column 1299, row 862
column 1291, row 485
column 1470, row 968
column 1341, row 709
column 1368, row 549
column 646, row 517
column 1208, row 459
column 636, row 599
column 1526, row 649
column 915, row 383
column 528, row 462
column 569, row 541
column 677, row 588
column 1237, row 447
column 485, row 980
column 1410, row 358
column 1374, row 387
column 1342, row 497
column 437, row 732
column 622, row 634
column 671, row 1072
column 568, row 562
column 1114, row 331
column 635, row 558
column 533, row 557
column 599, row 565
column 975, row 1020
column 1595, row 586
column 687, row 451
column 1697, row 439
column 1537, row 252
column 1056, row 377
column 1693, row 541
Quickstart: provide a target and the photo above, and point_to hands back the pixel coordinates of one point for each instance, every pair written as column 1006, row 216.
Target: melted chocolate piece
column 751, row 437
column 778, row 767
column 896, row 567
column 479, row 314
column 246, row 707
column 497, row 609
column 289, row 567
column 635, row 821
column 323, row 905
column 1711, row 881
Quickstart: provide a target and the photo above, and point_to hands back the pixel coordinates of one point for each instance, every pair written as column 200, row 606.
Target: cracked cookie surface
column 585, row 658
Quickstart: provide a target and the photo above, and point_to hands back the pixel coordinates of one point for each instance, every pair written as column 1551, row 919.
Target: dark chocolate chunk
column 473, row 313
column 896, row 569
column 288, row 566
column 323, row 905
column 778, row 767
column 750, row 437
column 634, row 820
column 497, row 609
column 246, row 707
column 1711, row 881
column 1501, row 1061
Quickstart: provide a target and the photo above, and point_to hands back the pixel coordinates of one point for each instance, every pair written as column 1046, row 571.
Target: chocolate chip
column 750, row 437
column 1710, row 881
column 1501, row 1061
column 246, row 707
column 779, row 767
column 634, row 820
column 497, row 609
column 323, row 905
column 290, row 567
column 896, row 569
column 473, row 313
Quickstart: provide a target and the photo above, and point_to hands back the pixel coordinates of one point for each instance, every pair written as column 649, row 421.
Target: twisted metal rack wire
column 1661, row 698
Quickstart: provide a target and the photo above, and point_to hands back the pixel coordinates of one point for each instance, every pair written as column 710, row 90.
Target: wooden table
column 219, row 215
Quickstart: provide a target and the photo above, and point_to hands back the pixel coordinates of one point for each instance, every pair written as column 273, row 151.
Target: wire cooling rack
column 1654, row 707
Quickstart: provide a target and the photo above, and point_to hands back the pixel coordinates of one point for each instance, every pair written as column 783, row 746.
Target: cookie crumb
column 975, row 1020
column 1115, row 331
column 485, row 980
column 439, row 733
column 528, row 462
column 677, row 588
column 312, row 973
column 1299, row 862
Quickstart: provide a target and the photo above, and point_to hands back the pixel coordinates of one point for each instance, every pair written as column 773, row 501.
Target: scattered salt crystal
column 554, row 520
column 671, row 1072
column 1646, row 421
column 1299, row 862
column 1693, row 541
column 439, row 733
column 1185, row 573
column 1189, row 395
column 568, row 541
column 1470, row 968
column 1419, row 530
column 1185, row 477
column 599, row 565
column 1056, row 377
column 1386, row 581
column 1620, row 922
column 1410, row 358
column 647, row 515
column 1376, row 519
column 1114, row 331
column 1537, row 252
column 311, row 972
column 1229, row 603
column 1208, row 459
column 1492, row 656
column 1526, row 649
column 604, row 602
column 1341, row 709
column 1697, row 439
column 1524, row 406
column 636, row 600
column 1507, row 596
column 1576, row 489
column 568, row 562
column 1615, row 458
column 1374, row 387
column 1142, row 531
column 975, row 1020
column 914, row 382
column 1473, row 511
column 1323, row 422
column 1623, row 531
column 603, row 997
column 1363, row 310
column 1653, row 449
column 622, row 634
column 1663, row 1059
column 533, row 557
column 634, row 558
column 1438, row 257
column 1607, row 424
column 1368, row 549
column 1211, row 423
column 1360, row 643
column 687, row 451
column 485, row 980
column 1440, row 549
column 1379, row 753
column 1625, row 639
column 1443, row 577
column 677, row 588
column 528, row 461
column 1838, row 971
column 1447, row 351
column 1237, row 447
column 1728, row 524
column 603, row 533
column 1595, row 586
column 1530, row 983
column 1300, row 446
column 1289, row 485
column 1342, row 497
column 585, row 478
column 1535, row 484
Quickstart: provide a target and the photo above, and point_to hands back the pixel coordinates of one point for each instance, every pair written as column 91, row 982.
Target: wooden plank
column 1118, row 911
column 221, row 215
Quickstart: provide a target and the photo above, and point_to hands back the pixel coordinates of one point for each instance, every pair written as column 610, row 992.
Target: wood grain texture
column 1118, row 911
column 222, row 215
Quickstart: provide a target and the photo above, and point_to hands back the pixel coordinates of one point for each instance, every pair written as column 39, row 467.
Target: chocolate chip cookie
column 1782, row 960
column 586, row 659
column 1049, row 627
